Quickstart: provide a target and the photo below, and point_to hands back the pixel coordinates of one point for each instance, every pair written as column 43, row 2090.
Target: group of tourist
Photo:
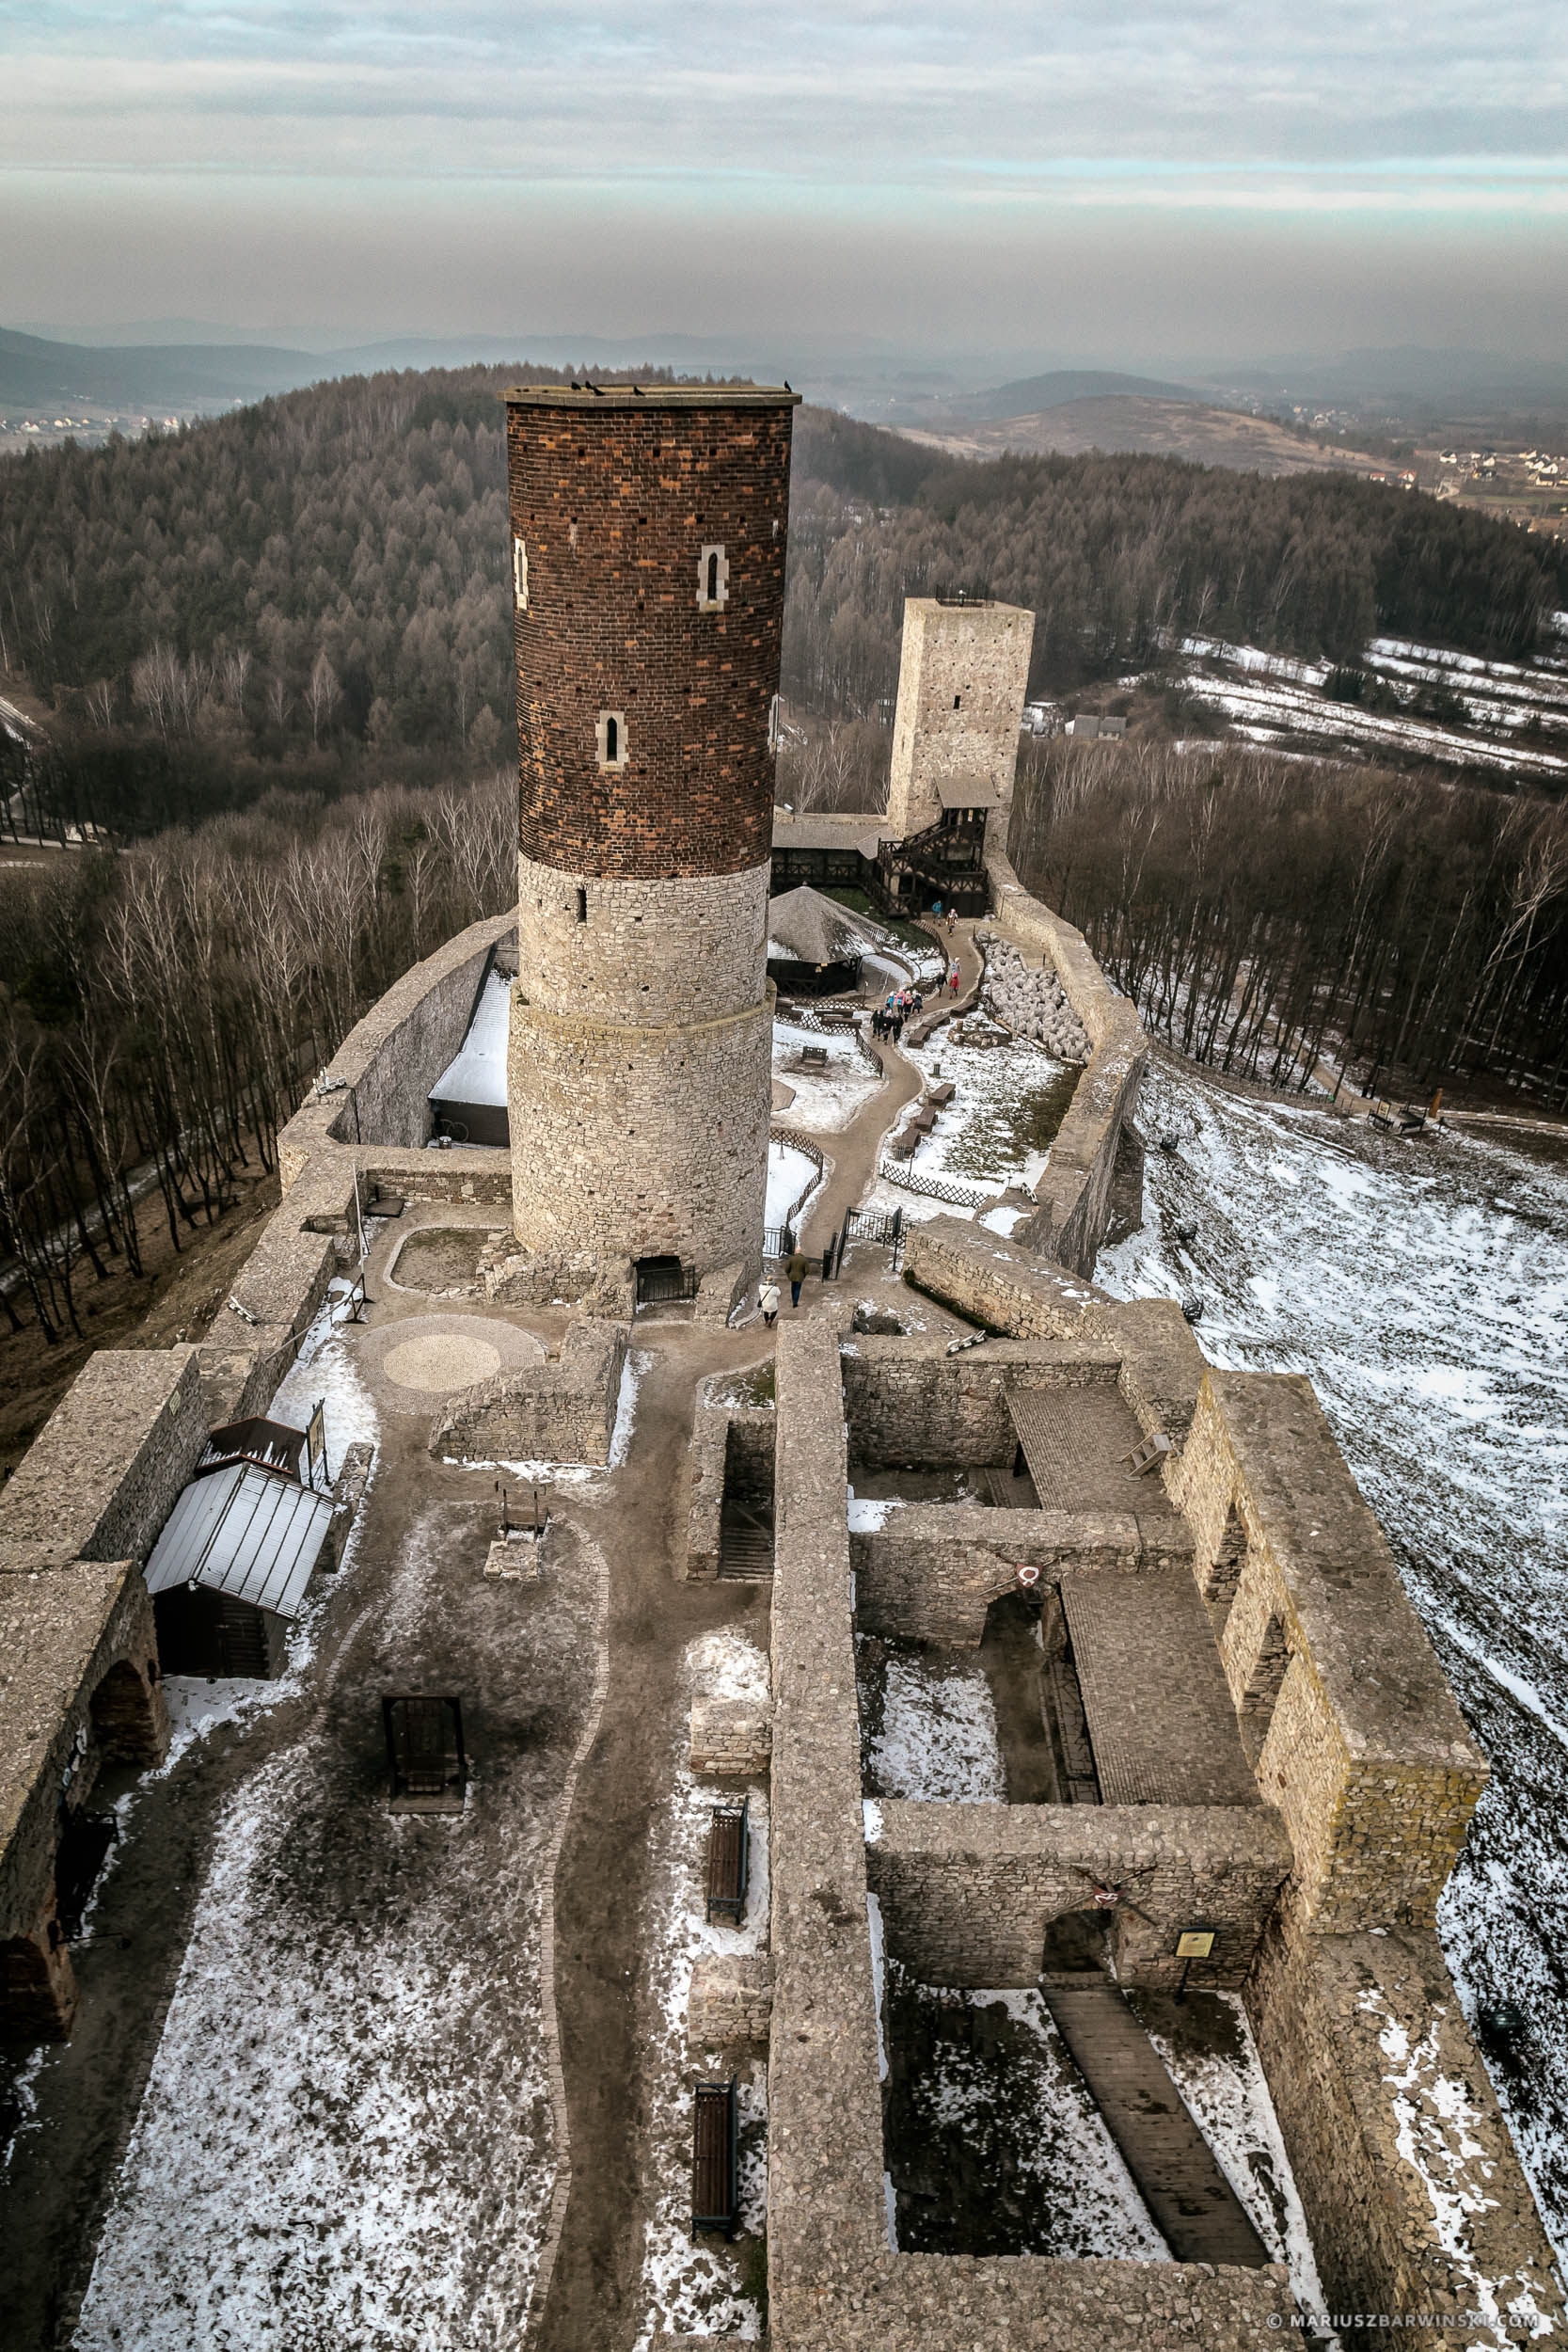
column 889, row 1019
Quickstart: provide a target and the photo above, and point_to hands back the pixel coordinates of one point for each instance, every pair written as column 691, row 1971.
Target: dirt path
column 593, row 2294
column 857, row 1150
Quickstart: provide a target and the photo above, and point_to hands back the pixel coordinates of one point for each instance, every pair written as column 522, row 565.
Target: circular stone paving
column 440, row 1362
column 419, row 1359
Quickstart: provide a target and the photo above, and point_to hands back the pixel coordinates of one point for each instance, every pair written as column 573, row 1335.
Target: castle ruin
column 1271, row 1778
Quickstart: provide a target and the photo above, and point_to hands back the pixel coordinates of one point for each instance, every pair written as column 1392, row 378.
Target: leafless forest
column 1260, row 911
column 161, row 1010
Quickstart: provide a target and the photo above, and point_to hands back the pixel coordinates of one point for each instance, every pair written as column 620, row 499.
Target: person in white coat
column 767, row 1299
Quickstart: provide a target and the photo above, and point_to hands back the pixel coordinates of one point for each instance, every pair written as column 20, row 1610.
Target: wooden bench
column 729, row 1859
column 941, row 1095
column 813, row 1058
column 716, row 2159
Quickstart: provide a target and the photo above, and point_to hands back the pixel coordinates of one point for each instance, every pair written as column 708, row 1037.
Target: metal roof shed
column 230, row 1569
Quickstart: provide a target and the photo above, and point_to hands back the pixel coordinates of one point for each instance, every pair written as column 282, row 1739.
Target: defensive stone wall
column 78, row 1690
column 967, row 1891
column 102, row 1475
column 1075, row 1191
column 1412, row 2190
column 931, row 1571
column 1349, row 1719
column 1009, row 1289
column 391, row 1058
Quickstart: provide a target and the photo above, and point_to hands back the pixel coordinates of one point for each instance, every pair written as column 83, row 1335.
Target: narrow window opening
column 610, row 737
column 583, row 905
column 956, row 699
column 519, row 573
column 713, row 579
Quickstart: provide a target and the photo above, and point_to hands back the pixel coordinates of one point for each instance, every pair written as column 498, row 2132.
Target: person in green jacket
column 798, row 1269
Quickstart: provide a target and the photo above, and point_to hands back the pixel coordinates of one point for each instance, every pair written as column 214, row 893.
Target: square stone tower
column 648, row 539
column 963, row 677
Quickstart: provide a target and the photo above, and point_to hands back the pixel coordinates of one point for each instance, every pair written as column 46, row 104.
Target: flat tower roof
column 652, row 396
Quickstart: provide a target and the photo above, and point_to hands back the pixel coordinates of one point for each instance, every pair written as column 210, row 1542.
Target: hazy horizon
column 1104, row 187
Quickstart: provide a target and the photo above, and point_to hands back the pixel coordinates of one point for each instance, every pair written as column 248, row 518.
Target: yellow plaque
column 1196, row 1944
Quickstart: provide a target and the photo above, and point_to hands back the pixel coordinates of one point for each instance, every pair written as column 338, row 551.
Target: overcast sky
column 1097, row 179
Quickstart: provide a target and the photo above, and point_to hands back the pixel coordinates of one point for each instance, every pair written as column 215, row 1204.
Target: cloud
column 871, row 156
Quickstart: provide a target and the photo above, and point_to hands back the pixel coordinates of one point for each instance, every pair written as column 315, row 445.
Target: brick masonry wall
column 1369, row 2065
column 968, row 1890
column 963, row 674
column 932, row 1571
column 615, row 498
column 1354, row 1730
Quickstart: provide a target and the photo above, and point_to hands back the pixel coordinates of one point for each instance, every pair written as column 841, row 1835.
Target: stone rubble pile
column 1032, row 1004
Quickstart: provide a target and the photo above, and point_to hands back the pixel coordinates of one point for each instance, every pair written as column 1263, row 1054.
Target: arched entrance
column 1076, row 1944
column 124, row 1717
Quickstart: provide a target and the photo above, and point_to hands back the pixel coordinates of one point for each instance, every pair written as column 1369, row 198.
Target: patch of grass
column 757, row 1387
column 1011, row 1126
column 754, row 2275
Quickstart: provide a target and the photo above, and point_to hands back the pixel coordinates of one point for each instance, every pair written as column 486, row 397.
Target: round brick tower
column 649, row 531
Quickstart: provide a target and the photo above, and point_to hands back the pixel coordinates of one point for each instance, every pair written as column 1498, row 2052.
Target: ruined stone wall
column 1414, row 2196
column 731, row 1447
column 835, row 2282
column 561, row 1410
column 909, row 1401
column 963, row 674
column 1348, row 1717
column 968, row 1890
column 931, row 1572
column 102, row 1475
column 78, row 1690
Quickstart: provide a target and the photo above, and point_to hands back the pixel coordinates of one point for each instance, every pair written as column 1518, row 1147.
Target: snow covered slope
column 1423, row 1285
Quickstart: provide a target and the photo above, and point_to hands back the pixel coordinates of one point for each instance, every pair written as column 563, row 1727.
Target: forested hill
column 323, row 578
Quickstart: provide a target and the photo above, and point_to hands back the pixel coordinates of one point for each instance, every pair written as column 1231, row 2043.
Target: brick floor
column 1158, row 1711
column 1075, row 1442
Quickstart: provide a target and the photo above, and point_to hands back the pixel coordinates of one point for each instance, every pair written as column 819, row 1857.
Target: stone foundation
column 561, row 1410
column 731, row 2000
column 731, row 1739
column 932, row 1571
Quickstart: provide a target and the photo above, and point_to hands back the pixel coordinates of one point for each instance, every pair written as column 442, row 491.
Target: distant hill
column 1139, row 425
column 1410, row 375
column 35, row 374
column 1062, row 386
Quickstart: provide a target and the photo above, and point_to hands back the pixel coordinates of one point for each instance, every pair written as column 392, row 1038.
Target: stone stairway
column 1192, row 2204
